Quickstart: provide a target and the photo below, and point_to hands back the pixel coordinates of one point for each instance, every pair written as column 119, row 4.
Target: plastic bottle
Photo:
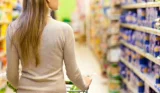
column 140, row 86
column 156, row 49
column 158, row 79
column 144, row 66
column 133, row 58
column 143, row 17
column 157, row 75
column 129, row 17
column 147, row 46
column 152, row 44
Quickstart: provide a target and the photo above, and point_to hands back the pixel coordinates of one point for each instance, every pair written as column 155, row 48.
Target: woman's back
column 41, row 44
column 57, row 44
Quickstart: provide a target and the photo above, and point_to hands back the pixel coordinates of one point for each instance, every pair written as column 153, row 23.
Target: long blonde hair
column 30, row 27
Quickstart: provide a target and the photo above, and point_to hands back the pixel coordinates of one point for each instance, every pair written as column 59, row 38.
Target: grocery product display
column 98, row 34
column 140, row 37
column 113, row 51
column 104, row 39
column 104, row 30
column 139, row 43
column 115, row 80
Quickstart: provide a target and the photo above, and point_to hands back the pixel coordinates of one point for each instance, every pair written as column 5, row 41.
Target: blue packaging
column 142, row 40
column 146, row 42
column 143, row 16
column 130, row 32
column 153, row 24
column 130, row 56
column 158, row 11
column 141, row 86
column 123, row 70
column 150, row 70
column 134, row 18
column 152, row 43
column 122, row 19
column 134, row 57
column 147, row 46
column 141, row 60
column 129, row 17
column 134, row 1
column 156, row 49
column 157, row 79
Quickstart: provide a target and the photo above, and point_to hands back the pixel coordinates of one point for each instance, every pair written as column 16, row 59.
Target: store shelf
column 149, row 81
column 132, row 6
column 114, row 17
column 142, row 29
column 114, row 46
column 2, row 38
column 113, row 33
column 129, row 86
column 141, row 52
column 111, row 16
column 141, row 5
column 153, row 4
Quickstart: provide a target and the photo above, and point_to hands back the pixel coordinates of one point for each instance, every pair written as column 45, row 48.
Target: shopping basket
column 71, row 88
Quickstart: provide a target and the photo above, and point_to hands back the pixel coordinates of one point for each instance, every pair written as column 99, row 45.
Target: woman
column 41, row 44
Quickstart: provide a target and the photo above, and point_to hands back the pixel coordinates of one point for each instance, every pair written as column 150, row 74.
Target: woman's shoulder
column 61, row 25
column 13, row 25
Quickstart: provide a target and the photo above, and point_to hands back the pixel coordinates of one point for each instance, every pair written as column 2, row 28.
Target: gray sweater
column 57, row 48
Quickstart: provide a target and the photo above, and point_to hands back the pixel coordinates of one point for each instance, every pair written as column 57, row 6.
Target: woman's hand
column 88, row 81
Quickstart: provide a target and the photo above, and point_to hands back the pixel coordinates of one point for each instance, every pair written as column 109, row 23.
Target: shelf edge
column 142, row 76
column 129, row 86
column 141, row 52
column 142, row 29
column 141, row 5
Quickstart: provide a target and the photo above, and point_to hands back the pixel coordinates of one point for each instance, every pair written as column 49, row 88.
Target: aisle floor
column 88, row 66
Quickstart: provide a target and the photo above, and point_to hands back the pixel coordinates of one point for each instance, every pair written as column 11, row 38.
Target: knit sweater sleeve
column 72, row 69
column 13, row 61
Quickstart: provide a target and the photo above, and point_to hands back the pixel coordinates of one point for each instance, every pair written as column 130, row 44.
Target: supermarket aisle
column 88, row 65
